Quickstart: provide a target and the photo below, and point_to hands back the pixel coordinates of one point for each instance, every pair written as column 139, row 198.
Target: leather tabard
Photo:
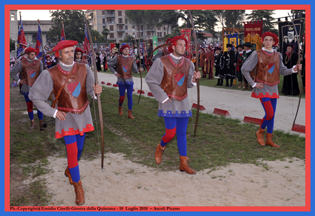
column 268, row 68
column 124, row 66
column 30, row 71
column 175, row 85
column 73, row 97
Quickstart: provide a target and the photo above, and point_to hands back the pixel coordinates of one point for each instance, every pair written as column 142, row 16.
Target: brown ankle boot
column 270, row 142
column 79, row 193
column 130, row 114
column 239, row 85
column 42, row 125
column 184, row 165
column 158, row 153
column 120, row 110
column 68, row 174
column 260, row 136
column 32, row 124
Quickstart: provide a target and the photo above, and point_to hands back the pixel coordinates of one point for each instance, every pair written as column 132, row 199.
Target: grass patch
column 219, row 141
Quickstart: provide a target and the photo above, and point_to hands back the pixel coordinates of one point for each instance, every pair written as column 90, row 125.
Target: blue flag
column 38, row 47
column 21, row 42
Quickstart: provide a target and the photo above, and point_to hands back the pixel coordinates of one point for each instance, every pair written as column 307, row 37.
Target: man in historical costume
column 71, row 82
column 78, row 56
column 168, row 80
column 202, row 60
column 29, row 68
column 290, row 83
column 125, row 65
column 217, row 60
column 269, row 67
column 238, row 64
column 105, row 67
column 228, row 65
column 98, row 62
column 49, row 62
column 246, row 53
column 209, row 62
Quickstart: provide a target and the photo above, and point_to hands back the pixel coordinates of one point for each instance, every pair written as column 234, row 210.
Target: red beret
column 123, row 47
column 47, row 56
column 274, row 36
column 173, row 41
column 64, row 44
column 202, row 49
column 217, row 48
column 30, row 49
column 78, row 50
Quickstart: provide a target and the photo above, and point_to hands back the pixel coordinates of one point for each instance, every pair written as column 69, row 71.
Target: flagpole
column 44, row 56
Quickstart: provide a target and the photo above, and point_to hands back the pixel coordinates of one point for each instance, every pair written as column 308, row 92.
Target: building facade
column 30, row 30
column 119, row 26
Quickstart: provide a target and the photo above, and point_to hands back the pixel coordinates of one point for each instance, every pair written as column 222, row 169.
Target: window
column 120, row 20
column 126, row 33
column 111, row 28
column 119, row 13
column 104, row 27
column 103, row 12
column 111, row 35
column 120, row 34
column 126, row 27
column 164, row 33
column 159, row 28
column 103, row 20
column 126, row 21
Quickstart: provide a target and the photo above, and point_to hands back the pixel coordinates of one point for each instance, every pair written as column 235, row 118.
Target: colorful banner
column 253, row 31
column 231, row 39
column 155, row 44
column 187, row 34
column 63, row 35
column 21, row 42
column 287, row 34
column 38, row 46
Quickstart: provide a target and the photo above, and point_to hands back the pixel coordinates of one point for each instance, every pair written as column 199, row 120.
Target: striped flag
column 21, row 43
column 86, row 48
column 63, row 35
column 38, row 46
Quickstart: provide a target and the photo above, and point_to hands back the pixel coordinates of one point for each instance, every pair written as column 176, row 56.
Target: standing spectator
column 98, row 62
column 290, row 84
column 238, row 64
column 228, row 65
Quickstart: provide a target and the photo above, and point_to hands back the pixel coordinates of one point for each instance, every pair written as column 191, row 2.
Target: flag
column 252, row 33
column 38, row 46
column 21, row 43
column 86, row 48
column 63, row 36
column 287, row 34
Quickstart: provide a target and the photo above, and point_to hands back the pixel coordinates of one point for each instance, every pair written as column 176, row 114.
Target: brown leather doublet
column 30, row 71
column 175, row 85
column 267, row 68
column 124, row 66
column 73, row 97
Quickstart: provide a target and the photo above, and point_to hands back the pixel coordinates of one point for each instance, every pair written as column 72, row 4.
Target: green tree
column 266, row 16
column 105, row 32
column 298, row 13
column 169, row 18
column 136, row 18
column 129, row 38
column 234, row 18
column 74, row 25
column 220, row 16
column 151, row 20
